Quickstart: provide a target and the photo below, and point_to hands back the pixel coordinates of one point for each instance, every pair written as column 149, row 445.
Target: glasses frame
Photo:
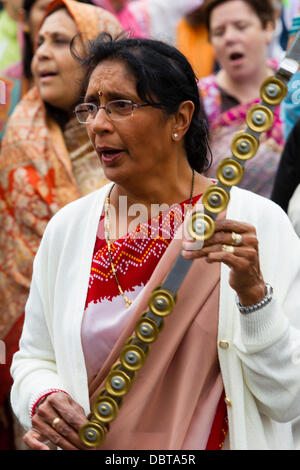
column 98, row 107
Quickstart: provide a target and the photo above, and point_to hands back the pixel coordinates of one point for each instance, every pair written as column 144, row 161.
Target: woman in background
column 18, row 77
column 46, row 159
column 240, row 31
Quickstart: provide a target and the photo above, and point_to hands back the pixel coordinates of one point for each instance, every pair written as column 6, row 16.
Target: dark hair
column 163, row 75
column 263, row 9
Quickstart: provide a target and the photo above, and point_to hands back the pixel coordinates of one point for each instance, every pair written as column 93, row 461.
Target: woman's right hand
column 57, row 419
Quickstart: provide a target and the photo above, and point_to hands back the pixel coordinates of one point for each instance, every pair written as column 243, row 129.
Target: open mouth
column 236, row 56
column 109, row 155
column 46, row 74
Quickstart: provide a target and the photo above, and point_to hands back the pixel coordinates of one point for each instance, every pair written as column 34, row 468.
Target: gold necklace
column 106, row 235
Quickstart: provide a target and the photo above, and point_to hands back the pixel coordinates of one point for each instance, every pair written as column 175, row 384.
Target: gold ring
column 55, row 422
column 228, row 248
column 237, row 238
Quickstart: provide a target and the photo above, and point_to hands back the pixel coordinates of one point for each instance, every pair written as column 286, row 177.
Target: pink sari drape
column 176, row 400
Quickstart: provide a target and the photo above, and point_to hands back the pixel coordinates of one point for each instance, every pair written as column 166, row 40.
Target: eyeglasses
column 115, row 110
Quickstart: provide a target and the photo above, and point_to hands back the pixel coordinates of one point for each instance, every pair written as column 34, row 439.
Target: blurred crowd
column 46, row 159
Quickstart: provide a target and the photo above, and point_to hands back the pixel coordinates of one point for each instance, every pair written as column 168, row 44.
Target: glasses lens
column 119, row 108
column 84, row 112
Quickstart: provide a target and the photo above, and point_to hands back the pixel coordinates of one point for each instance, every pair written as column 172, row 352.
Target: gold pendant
column 106, row 235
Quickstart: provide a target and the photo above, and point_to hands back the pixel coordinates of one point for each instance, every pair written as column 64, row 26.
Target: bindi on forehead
column 111, row 83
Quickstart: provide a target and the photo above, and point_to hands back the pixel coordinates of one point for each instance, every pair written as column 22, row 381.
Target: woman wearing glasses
column 46, row 159
column 223, row 370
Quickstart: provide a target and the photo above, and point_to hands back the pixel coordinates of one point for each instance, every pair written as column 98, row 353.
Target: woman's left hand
column 236, row 245
column 58, row 419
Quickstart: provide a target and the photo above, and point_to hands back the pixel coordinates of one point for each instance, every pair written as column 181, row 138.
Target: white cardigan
column 294, row 210
column 260, row 366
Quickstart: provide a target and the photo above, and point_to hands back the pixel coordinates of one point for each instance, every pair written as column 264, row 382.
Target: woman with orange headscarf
column 46, row 159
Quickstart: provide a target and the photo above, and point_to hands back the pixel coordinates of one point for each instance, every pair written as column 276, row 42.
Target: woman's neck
column 244, row 90
column 155, row 190
column 159, row 190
